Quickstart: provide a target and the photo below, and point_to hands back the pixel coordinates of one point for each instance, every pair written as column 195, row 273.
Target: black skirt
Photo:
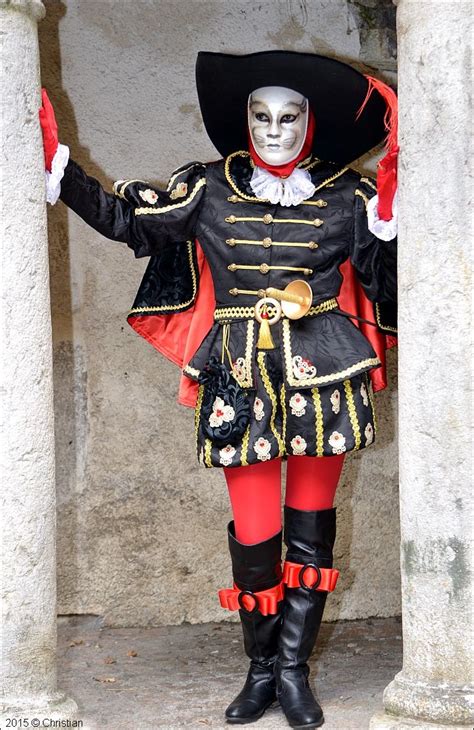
column 316, row 421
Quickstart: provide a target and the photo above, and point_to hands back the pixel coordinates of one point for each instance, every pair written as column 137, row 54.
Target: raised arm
column 146, row 218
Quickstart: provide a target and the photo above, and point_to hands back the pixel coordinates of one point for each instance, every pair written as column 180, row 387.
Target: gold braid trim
column 352, row 413
column 253, row 199
column 173, row 307
column 370, row 393
column 197, row 414
column 271, row 394
column 121, row 185
column 223, row 313
column 379, row 321
column 245, row 447
column 363, row 196
column 259, row 219
column 166, row 208
column 369, row 182
column 252, row 267
column 321, row 379
column 283, row 409
column 239, row 153
column 207, row 452
column 319, row 423
column 177, row 174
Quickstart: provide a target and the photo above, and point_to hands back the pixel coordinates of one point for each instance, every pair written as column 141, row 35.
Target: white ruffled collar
column 291, row 190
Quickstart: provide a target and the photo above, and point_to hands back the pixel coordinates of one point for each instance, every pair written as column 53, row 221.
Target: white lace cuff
column 385, row 230
column 53, row 178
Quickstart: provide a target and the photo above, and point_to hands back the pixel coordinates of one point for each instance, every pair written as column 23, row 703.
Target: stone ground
column 184, row 676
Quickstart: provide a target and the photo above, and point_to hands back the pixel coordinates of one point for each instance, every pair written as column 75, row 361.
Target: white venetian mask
column 278, row 120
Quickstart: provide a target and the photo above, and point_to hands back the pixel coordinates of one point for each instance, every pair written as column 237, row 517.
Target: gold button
column 230, row 241
column 320, row 203
column 264, row 268
column 233, row 198
column 317, row 222
column 307, row 272
column 267, row 242
column 232, row 267
column 267, row 218
column 234, row 292
column 230, row 219
column 312, row 245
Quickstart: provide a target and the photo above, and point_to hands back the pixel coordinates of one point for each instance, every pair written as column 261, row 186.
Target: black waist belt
column 227, row 314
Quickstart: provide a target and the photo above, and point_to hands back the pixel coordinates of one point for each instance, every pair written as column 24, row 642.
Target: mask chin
column 278, row 122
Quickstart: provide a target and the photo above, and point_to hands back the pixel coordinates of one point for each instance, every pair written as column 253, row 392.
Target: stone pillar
column 28, row 484
column 435, row 366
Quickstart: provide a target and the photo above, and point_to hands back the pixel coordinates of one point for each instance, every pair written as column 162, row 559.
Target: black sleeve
column 374, row 260
column 143, row 216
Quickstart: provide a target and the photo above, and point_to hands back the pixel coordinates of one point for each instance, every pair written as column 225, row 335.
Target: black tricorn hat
column 335, row 91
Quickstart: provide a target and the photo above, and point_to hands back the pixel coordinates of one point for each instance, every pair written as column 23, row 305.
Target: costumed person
column 272, row 284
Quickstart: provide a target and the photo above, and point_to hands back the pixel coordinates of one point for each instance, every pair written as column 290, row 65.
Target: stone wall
column 141, row 527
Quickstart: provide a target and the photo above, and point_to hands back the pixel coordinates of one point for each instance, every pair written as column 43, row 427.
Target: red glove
column 387, row 184
column 49, row 128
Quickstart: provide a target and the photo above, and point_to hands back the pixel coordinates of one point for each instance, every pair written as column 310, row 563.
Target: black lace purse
column 225, row 409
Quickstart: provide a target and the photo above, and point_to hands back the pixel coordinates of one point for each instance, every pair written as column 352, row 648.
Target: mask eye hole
column 289, row 118
column 261, row 117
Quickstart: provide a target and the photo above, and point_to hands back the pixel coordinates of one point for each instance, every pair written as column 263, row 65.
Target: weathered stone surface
column 141, row 527
column 435, row 320
column 28, row 640
column 184, row 676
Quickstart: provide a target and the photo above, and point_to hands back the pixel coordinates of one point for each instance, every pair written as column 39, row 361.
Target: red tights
column 255, row 492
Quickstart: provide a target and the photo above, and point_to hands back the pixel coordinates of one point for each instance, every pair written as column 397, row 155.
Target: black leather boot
column 257, row 591
column 309, row 537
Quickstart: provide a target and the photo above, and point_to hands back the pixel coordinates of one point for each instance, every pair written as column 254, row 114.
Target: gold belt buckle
column 262, row 313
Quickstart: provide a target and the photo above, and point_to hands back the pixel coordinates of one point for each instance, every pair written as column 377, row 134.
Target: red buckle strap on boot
column 264, row 601
column 322, row 579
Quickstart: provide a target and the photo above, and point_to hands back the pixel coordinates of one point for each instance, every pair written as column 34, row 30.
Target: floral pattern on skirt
column 323, row 421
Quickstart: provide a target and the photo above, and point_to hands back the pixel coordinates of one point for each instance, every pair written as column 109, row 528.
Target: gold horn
column 296, row 298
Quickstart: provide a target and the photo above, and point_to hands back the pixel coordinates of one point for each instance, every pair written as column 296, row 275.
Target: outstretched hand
column 49, row 128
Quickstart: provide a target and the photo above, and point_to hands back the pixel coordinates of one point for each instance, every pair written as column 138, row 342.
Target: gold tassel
column 265, row 341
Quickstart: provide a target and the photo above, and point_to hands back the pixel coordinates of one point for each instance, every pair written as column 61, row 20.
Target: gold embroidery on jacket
column 177, row 174
column 318, row 379
column 369, row 182
column 265, row 268
column 253, row 199
column 268, row 243
column 379, row 322
column 363, row 196
column 173, row 307
column 264, row 219
column 166, row 208
column 121, row 185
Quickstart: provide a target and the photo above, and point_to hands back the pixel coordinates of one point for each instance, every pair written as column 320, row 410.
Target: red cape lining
column 178, row 336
